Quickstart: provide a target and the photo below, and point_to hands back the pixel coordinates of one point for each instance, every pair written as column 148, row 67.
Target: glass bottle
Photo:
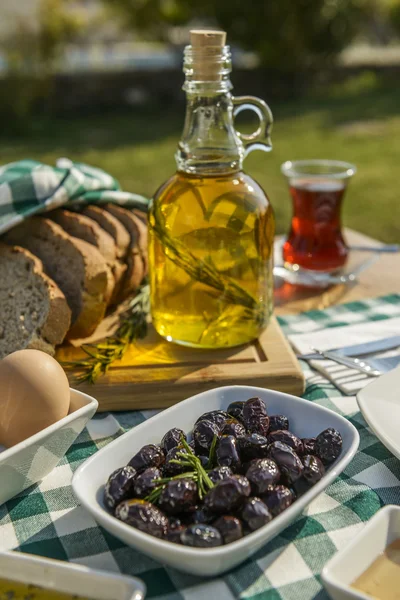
column 211, row 226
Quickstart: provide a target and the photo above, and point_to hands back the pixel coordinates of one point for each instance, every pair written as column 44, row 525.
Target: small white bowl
column 69, row 578
column 307, row 420
column 360, row 553
column 31, row 460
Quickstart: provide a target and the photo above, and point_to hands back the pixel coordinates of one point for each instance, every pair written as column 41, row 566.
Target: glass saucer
column 357, row 262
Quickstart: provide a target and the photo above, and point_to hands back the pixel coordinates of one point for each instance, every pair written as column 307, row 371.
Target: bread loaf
column 136, row 228
column 110, row 224
column 86, row 229
column 76, row 266
column 34, row 311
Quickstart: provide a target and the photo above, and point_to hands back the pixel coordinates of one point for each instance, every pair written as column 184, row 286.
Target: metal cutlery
column 352, row 363
column 389, row 248
column 373, row 367
column 387, row 343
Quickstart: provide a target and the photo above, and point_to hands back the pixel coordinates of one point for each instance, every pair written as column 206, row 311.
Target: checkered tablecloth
column 46, row 519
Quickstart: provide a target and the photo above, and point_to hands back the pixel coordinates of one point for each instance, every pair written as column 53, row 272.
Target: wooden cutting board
column 157, row 374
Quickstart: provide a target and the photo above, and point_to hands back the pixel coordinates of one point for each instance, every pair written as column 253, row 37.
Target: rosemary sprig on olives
column 239, row 470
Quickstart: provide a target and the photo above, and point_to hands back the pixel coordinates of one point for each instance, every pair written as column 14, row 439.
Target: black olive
column 148, row 456
column 220, row 473
column 227, row 453
column 230, row 528
column 144, row 483
column 203, row 515
column 278, row 499
column 255, row 513
column 203, row 460
column 288, row 438
column 144, row 516
column 253, row 446
column 314, row 470
column 233, row 427
column 255, row 416
column 174, row 522
column 171, row 468
column 278, row 423
column 172, row 438
column 235, row 409
column 308, row 446
column 201, row 536
column 119, row 486
column 328, row 445
column 227, row 495
column 203, row 435
column 218, row 417
column 174, row 535
column 263, row 474
column 179, row 495
column 289, row 463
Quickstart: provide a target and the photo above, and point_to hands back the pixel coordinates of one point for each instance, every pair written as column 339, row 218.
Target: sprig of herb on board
column 133, row 326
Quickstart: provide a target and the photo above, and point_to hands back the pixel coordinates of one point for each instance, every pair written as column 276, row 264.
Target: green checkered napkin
column 46, row 519
column 28, row 188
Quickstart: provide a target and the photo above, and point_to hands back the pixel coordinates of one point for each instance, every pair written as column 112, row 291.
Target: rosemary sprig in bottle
column 203, row 271
column 133, row 326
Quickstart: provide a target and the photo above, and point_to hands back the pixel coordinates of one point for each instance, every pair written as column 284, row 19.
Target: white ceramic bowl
column 357, row 556
column 30, row 461
column 69, row 578
column 379, row 405
column 307, row 420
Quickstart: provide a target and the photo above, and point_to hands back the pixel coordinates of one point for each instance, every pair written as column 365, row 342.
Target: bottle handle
column 259, row 139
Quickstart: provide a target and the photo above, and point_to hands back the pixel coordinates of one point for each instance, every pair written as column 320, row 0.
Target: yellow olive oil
column 222, row 224
column 14, row 590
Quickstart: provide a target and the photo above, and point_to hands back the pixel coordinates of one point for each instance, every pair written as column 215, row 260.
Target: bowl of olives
column 206, row 483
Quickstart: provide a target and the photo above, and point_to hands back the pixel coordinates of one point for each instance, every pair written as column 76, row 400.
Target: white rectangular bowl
column 360, row 553
column 69, row 578
column 31, row 460
column 307, row 420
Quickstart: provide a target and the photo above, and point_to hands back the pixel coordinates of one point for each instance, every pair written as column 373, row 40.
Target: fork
column 353, row 363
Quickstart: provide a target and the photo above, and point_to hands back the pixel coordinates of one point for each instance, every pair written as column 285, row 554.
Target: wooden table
column 380, row 279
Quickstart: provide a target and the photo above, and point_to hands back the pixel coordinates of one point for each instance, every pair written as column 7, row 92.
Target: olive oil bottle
column 211, row 225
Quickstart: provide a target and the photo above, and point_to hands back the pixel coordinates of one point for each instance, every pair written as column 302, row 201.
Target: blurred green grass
column 358, row 121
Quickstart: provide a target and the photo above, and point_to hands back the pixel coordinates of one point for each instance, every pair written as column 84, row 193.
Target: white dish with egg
column 70, row 579
column 32, row 459
column 308, row 420
column 351, row 562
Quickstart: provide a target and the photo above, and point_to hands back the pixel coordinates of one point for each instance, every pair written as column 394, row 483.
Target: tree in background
column 31, row 51
column 289, row 34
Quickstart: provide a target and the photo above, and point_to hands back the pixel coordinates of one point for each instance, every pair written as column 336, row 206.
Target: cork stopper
column 205, row 37
column 207, row 46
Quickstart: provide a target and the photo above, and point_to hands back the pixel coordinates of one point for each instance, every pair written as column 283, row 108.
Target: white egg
column 34, row 393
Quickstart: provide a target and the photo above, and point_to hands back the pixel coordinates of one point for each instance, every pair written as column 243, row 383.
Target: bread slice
column 86, row 229
column 76, row 266
column 137, row 230
column 34, row 311
column 112, row 225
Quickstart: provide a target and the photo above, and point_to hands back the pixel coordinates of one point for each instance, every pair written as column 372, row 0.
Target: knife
column 359, row 349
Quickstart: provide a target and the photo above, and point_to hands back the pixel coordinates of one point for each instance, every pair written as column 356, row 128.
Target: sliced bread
column 76, row 266
column 112, row 225
column 137, row 230
column 34, row 311
column 86, row 229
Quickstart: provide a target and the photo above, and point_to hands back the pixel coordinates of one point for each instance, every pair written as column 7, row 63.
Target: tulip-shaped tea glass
column 315, row 241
